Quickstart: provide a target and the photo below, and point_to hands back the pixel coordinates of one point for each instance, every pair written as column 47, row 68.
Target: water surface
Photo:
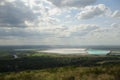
column 95, row 51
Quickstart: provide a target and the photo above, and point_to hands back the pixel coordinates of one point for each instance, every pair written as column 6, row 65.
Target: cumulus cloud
column 106, row 34
column 22, row 13
column 72, row 3
column 116, row 14
column 79, row 30
column 14, row 14
column 54, row 11
column 115, row 25
column 92, row 11
column 54, row 21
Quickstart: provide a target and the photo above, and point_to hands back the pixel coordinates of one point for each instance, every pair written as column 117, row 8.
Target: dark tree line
column 30, row 63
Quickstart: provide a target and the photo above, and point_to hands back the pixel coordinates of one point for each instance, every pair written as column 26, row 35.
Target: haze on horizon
column 59, row 22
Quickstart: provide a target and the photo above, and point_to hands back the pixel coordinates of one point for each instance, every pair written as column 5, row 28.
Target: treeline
column 42, row 62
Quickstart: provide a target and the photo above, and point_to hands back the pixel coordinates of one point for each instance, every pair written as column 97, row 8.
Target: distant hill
column 114, row 52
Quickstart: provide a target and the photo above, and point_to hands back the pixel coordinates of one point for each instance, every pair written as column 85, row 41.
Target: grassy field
column 109, row 72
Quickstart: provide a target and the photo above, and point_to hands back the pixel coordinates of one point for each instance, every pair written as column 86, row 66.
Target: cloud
column 47, row 31
column 72, row 3
column 79, row 30
column 106, row 34
column 14, row 32
column 116, row 14
column 54, row 11
column 115, row 25
column 15, row 13
column 92, row 11
column 54, row 21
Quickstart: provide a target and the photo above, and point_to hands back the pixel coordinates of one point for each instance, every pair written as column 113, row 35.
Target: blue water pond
column 94, row 51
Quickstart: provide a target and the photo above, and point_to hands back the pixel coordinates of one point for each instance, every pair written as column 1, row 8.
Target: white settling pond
column 81, row 51
column 66, row 51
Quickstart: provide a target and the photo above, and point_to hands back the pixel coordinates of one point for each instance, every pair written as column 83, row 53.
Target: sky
column 59, row 22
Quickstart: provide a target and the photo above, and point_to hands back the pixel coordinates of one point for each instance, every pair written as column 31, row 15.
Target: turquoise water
column 94, row 51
